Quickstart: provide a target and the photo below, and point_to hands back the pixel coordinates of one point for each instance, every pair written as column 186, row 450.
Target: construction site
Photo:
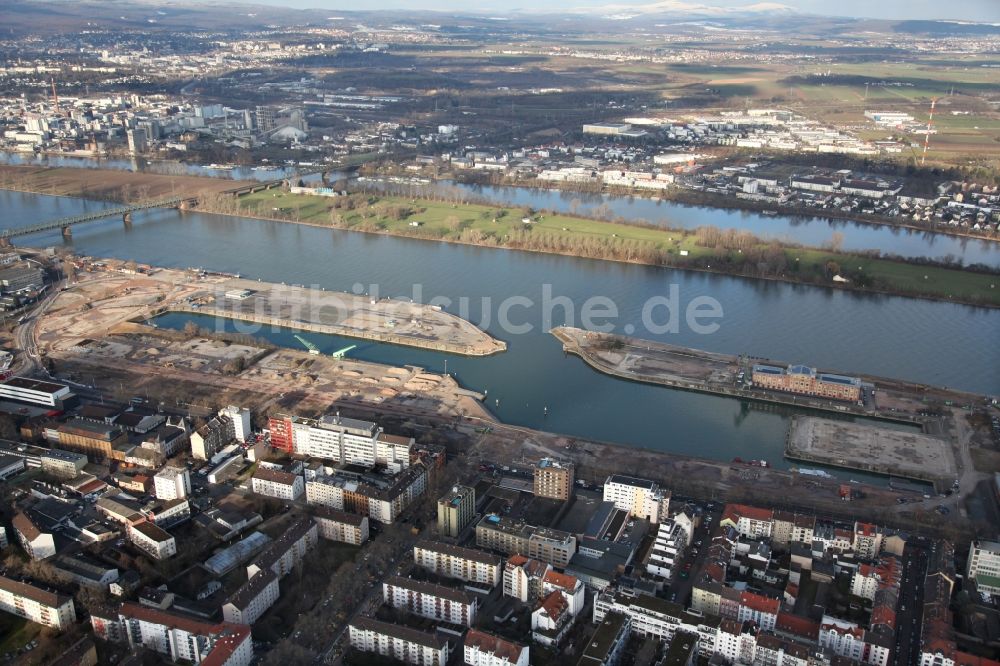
column 97, row 333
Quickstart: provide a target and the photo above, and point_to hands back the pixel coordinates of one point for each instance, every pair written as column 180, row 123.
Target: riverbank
column 109, row 184
column 706, row 249
column 692, row 197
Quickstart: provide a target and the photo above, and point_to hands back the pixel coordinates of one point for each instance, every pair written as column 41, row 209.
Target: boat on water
column 751, row 463
column 770, row 213
column 823, row 474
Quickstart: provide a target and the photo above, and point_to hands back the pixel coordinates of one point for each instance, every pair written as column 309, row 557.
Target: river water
column 937, row 343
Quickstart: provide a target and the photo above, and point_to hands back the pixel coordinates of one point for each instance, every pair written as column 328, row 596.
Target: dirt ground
column 125, row 186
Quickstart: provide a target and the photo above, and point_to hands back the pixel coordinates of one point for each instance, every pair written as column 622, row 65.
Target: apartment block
column 435, row 602
column 172, row 483
column 36, row 543
column 484, row 649
column 381, row 497
column 155, row 541
column 286, row 552
column 553, row 478
column 341, row 526
column 36, row 604
column 63, row 464
column 342, row 440
column 177, row 637
column 455, row 510
column 252, row 599
column 468, row 564
column 403, row 644
column 510, row 537
column 278, row 484
column 641, row 498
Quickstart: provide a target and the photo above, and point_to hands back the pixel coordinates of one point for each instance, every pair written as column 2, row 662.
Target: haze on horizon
column 955, row 10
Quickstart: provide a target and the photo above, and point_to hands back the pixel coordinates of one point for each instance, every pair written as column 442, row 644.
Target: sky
column 965, row 10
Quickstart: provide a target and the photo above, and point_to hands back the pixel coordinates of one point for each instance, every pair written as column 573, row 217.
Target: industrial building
column 804, row 380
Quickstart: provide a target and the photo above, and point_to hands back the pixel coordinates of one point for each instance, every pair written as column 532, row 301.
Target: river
column 933, row 342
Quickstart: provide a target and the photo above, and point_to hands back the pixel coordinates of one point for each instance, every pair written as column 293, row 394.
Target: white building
column 155, row 541
column 63, row 464
column 655, row 617
column 641, row 498
column 35, row 604
column 435, row 602
column 35, row 391
column 341, row 440
column 239, row 417
column 36, row 543
column 671, row 540
column 172, row 483
column 483, row 649
column 843, row 638
column 409, row 646
column 178, row 637
column 341, row 526
column 551, row 619
column 467, row 564
column 278, row 484
column 254, row 597
column 984, row 566
column 286, row 552
column 522, row 578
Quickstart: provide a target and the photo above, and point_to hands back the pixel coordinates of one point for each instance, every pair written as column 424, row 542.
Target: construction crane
column 313, row 349
column 341, row 353
column 55, row 96
column 927, row 137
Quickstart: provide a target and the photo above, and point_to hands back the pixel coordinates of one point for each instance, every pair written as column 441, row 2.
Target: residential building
column 867, row 541
column 455, row 510
column 36, row 604
column 522, row 578
column 36, row 543
column 178, row 637
column 63, row 464
column 553, row 478
column 641, row 498
column 381, row 497
column 671, row 540
column 467, row 564
column 252, row 599
column 155, row 541
column 509, row 537
column 608, row 642
column 240, row 426
column 210, row 438
column 551, row 619
column 435, row 602
column 750, row 521
column 341, row 526
column 278, row 484
column 409, row 646
column 172, row 483
column 483, row 649
column 286, row 552
column 342, row 440
column 984, row 566
column 655, row 617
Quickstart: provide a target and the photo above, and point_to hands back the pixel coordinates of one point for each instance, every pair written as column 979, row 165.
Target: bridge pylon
column 127, row 220
column 67, row 232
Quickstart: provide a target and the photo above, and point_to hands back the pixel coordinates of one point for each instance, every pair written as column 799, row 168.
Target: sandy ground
column 107, row 184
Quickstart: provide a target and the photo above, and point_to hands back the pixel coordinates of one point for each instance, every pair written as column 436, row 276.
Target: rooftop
column 430, row 589
column 459, row 552
column 398, row 631
column 494, row 645
column 27, row 591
